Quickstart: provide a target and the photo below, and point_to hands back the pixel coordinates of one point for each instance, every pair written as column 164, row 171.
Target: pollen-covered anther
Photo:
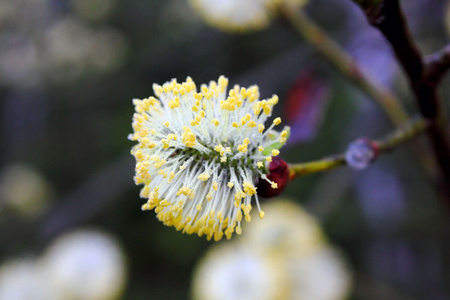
column 276, row 180
column 239, row 215
column 239, row 195
column 145, row 141
column 197, row 96
column 283, row 136
column 157, row 89
column 249, row 188
column 261, row 128
column 151, row 145
column 143, row 133
column 139, row 155
column 174, row 103
column 277, row 121
column 188, row 137
column 186, row 191
column 165, row 143
column 242, row 148
column 171, row 177
column 172, row 137
column 274, row 100
column 239, row 230
column 160, row 163
column 209, row 196
column 196, row 121
column 204, row 176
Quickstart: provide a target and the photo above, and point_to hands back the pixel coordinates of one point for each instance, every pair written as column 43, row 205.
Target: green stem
column 316, row 37
column 403, row 134
column 324, row 164
column 412, row 129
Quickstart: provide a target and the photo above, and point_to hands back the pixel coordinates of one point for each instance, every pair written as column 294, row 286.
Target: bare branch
column 423, row 77
column 437, row 65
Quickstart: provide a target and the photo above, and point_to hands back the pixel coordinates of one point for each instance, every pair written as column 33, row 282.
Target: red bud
column 278, row 173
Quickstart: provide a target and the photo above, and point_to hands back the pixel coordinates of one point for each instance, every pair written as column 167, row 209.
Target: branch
column 363, row 152
column 389, row 18
column 437, row 65
column 315, row 36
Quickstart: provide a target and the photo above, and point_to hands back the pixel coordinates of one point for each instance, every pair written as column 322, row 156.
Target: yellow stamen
column 261, row 128
column 277, row 121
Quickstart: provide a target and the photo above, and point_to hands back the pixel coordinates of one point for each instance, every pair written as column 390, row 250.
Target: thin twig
column 437, row 65
column 314, row 35
column 390, row 142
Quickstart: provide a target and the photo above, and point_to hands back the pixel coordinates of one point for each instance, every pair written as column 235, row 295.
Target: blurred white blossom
column 73, row 48
column 87, row 265
column 24, row 190
column 25, row 279
column 287, row 229
column 238, row 272
column 237, row 15
column 322, row 275
column 285, row 257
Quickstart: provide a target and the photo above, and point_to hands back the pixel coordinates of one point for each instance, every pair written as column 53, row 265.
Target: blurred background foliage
column 68, row 73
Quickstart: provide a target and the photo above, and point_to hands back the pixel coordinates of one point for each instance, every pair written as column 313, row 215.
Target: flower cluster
column 201, row 152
